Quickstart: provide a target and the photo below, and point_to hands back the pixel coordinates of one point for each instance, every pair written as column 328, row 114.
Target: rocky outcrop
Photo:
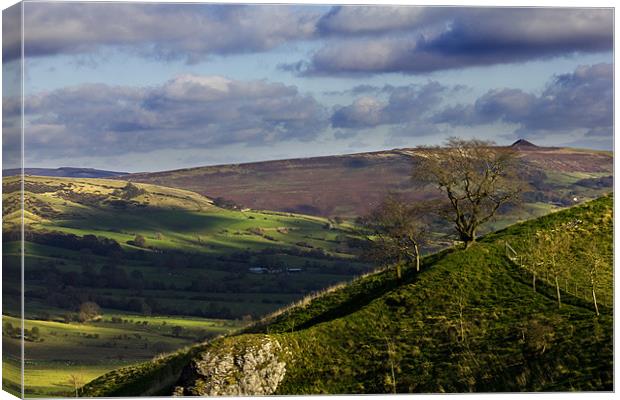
column 247, row 366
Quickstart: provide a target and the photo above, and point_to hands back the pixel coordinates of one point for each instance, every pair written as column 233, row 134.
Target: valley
column 153, row 253
column 271, row 248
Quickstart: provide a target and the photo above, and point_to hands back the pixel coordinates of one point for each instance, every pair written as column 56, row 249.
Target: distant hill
column 351, row 185
column 65, row 172
column 523, row 144
column 470, row 321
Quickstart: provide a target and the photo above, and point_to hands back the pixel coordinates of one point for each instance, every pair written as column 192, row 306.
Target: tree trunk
column 390, row 351
column 417, row 258
column 594, row 299
column 469, row 241
column 461, row 317
column 534, row 281
column 468, row 237
column 557, row 290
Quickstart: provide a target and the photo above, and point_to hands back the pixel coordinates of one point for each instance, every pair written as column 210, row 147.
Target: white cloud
column 189, row 111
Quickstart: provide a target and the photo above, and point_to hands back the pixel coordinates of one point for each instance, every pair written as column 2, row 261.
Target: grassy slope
column 514, row 339
column 469, row 321
column 185, row 220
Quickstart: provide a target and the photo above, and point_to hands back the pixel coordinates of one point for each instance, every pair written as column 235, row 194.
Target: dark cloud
column 11, row 32
column 186, row 112
column 11, row 91
column 356, row 39
column 582, row 100
column 404, row 104
column 164, row 31
column 453, row 38
column 369, row 20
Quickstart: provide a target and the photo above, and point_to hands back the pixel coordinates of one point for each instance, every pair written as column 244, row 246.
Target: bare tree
column 391, row 351
column 477, row 177
column 532, row 256
column 397, row 230
column 595, row 259
column 553, row 248
column 76, row 380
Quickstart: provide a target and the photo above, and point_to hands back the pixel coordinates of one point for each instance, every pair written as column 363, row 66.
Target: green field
column 192, row 270
column 192, row 251
column 90, row 349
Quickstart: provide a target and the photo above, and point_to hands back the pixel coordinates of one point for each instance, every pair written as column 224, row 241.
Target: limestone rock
column 247, row 368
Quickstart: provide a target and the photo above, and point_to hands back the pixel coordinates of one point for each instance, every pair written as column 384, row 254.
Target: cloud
column 454, row 38
column 11, row 33
column 189, row 111
column 360, row 20
column 581, row 100
column 354, row 39
column 163, row 31
column 577, row 104
column 404, row 104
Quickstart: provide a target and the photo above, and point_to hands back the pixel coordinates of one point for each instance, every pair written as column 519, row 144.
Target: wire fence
column 567, row 285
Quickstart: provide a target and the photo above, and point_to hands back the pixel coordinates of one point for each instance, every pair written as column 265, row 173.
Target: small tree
column 89, row 310
column 392, row 358
column 35, row 333
column 477, row 177
column 555, row 255
column 532, row 255
column 396, row 232
column 177, row 330
column 76, row 380
column 9, row 330
column 594, row 259
column 139, row 241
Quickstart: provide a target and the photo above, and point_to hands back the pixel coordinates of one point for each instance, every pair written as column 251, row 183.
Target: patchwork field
column 168, row 255
column 63, row 354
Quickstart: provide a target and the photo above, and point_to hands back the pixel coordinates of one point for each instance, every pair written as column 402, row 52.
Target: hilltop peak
column 522, row 143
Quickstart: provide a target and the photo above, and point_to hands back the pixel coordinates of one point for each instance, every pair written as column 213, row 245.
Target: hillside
column 64, row 172
column 171, row 244
column 470, row 321
column 141, row 251
column 351, row 185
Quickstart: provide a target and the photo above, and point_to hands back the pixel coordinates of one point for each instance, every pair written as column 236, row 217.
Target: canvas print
column 240, row 199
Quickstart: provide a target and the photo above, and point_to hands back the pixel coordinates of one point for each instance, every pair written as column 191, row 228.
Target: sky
column 149, row 87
